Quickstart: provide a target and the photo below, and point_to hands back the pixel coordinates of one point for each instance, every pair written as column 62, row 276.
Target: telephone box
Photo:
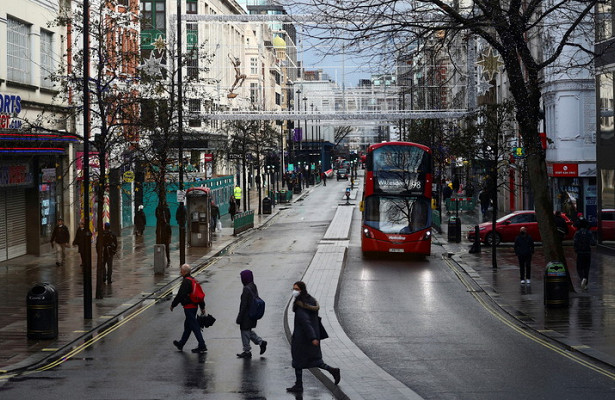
column 198, row 205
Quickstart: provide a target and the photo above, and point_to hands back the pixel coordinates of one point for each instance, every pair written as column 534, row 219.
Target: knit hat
column 246, row 276
column 141, row 207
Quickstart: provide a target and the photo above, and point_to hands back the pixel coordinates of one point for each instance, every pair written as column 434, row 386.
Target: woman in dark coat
column 80, row 241
column 305, row 343
column 232, row 208
column 140, row 221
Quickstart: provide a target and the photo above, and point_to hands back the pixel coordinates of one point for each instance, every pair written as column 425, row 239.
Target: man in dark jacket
column 81, row 240
column 583, row 240
column 140, row 221
column 246, row 324
column 108, row 246
column 191, row 324
column 561, row 225
column 305, row 342
column 59, row 241
column 524, row 248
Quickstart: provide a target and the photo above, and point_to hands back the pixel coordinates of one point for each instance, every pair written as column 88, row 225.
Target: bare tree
column 511, row 28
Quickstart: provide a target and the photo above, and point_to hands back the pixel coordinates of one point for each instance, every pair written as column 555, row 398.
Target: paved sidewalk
column 586, row 326
column 134, row 282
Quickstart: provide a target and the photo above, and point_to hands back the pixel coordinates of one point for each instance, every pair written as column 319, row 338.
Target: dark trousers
column 82, row 254
column 583, row 262
column 191, row 325
column 167, row 248
column 525, row 266
column 299, row 372
column 108, row 268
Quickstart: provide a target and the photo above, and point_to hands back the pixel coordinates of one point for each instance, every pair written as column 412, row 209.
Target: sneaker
column 336, row 375
column 263, row 346
column 178, row 345
column 200, row 350
column 295, row 388
column 584, row 284
column 245, row 354
column 522, row 281
column 527, row 281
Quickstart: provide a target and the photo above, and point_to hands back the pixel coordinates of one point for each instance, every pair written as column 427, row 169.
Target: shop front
column 574, row 189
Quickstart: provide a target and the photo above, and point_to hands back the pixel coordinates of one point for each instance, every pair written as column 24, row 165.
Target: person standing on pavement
column 81, row 240
column 485, row 201
column 140, row 221
column 305, row 342
column 191, row 324
column 215, row 215
column 583, row 240
column 324, row 178
column 524, row 248
column 107, row 243
column 237, row 195
column 246, row 324
column 232, row 207
column 60, row 239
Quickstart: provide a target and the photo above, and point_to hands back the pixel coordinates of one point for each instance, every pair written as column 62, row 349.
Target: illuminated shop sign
column 10, row 107
column 15, row 175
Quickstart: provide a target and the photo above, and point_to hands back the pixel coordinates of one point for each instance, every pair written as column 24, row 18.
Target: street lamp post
column 298, row 110
column 180, row 216
column 307, row 174
column 87, row 268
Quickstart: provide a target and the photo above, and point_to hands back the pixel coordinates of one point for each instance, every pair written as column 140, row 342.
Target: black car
column 342, row 173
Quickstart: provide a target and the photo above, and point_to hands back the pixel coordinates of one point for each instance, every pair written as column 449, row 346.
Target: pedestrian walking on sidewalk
column 583, row 240
column 140, row 221
column 246, row 324
column 191, row 324
column 305, row 342
column 324, row 178
column 215, row 216
column 232, row 207
column 81, row 240
column 107, row 243
column 60, row 239
column 524, row 248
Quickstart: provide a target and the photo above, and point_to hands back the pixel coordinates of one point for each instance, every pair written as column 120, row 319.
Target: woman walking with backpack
column 245, row 322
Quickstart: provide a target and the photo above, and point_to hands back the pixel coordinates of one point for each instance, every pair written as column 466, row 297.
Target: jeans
column 583, row 262
column 525, row 266
column 60, row 253
column 108, row 268
column 248, row 335
column 191, row 325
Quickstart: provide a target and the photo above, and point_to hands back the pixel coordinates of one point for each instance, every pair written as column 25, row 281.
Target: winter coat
column 524, row 245
column 306, row 329
column 243, row 319
column 80, row 239
column 183, row 295
column 140, row 220
column 60, row 234
column 109, row 243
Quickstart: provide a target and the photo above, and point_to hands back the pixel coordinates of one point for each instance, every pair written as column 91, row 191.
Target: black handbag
column 205, row 321
column 323, row 332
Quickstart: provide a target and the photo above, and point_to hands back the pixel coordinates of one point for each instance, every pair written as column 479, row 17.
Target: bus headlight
column 427, row 235
column 367, row 233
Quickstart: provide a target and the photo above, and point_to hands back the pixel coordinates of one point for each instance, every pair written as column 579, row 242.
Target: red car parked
column 507, row 228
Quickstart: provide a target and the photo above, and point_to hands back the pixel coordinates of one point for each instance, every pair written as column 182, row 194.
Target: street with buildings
column 443, row 326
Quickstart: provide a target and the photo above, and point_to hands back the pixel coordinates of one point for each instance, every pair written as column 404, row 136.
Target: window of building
column 160, row 15
column 194, row 106
column 253, row 65
column 153, row 14
column 47, row 65
column 19, row 56
column 604, row 20
column 278, row 99
column 192, row 65
column 254, row 92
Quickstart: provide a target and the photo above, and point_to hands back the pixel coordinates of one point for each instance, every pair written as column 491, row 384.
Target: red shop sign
column 208, row 157
column 565, row 170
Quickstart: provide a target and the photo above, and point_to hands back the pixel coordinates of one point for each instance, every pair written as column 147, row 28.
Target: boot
column 336, row 374
column 296, row 388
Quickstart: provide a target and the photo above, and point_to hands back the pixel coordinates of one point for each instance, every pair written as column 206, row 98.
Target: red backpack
column 197, row 295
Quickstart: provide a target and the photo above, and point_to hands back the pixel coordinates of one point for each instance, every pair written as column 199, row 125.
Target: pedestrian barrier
column 460, row 203
column 243, row 221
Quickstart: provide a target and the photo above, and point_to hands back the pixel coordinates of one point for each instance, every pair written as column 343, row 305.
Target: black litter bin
column 454, row 229
column 42, row 306
column 556, row 285
column 266, row 205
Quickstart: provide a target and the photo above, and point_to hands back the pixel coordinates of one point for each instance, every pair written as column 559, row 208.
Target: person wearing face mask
column 60, row 239
column 305, row 342
column 524, row 248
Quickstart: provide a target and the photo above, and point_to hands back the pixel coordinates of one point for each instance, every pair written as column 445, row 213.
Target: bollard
column 160, row 258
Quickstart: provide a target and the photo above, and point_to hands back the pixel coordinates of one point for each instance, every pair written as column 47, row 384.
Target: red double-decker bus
column 396, row 201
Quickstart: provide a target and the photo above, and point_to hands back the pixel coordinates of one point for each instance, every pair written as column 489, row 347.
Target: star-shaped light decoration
column 491, row 63
column 159, row 44
column 483, row 85
column 152, row 66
